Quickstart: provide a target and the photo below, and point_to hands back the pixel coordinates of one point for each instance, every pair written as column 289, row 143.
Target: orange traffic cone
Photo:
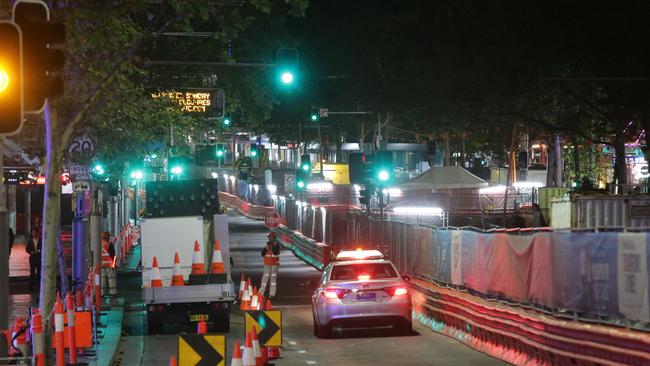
column 249, row 286
column 156, row 281
column 172, row 361
column 202, row 328
column 254, row 299
column 236, row 356
column 242, row 285
column 261, row 301
column 245, row 301
column 257, row 350
column 249, row 357
column 217, row 260
column 177, row 276
column 198, row 268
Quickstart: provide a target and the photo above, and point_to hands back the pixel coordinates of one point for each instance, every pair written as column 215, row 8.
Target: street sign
column 323, row 112
column 81, row 145
column 79, row 172
column 80, row 186
column 268, row 324
column 202, row 349
column 272, row 220
column 289, row 180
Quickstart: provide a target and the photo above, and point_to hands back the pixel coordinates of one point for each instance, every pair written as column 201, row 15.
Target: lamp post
column 136, row 175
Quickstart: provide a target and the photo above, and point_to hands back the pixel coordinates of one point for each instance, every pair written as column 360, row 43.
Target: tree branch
column 553, row 127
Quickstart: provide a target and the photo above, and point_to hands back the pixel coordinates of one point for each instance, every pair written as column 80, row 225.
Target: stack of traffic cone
column 156, row 280
column 249, row 357
column 272, row 352
column 198, row 267
column 177, row 275
column 260, row 359
column 254, row 299
column 217, row 260
column 236, row 356
column 242, row 285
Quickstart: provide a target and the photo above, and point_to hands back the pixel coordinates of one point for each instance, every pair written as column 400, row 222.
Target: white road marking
column 302, row 351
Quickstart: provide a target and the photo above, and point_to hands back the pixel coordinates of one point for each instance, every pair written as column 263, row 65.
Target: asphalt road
column 296, row 283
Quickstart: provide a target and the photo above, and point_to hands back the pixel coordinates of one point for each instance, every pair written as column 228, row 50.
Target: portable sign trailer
column 206, row 297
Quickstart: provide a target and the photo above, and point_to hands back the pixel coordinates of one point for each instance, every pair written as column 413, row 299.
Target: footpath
column 107, row 330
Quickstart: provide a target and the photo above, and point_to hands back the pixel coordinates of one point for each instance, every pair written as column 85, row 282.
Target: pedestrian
column 12, row 239
column 271, row 254
column 108, row 265
column 33, row 248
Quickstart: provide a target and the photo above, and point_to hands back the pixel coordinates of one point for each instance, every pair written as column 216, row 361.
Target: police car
column 361, row 289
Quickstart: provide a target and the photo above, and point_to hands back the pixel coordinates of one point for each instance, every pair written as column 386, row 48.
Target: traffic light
column 226, row 122
column 42, row 62
column 286, row 68
column 98, row 170
column 176, row 166
column 383, row 167
column 302, row 179
column 305, row 163
column 221, row 151
column 364, row 196
column 11, row 78
column 254, row 150
column 314, row 115
column 358, row 168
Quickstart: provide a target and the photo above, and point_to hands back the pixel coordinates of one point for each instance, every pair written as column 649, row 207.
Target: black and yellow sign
column 202, row 350
column 268, row 324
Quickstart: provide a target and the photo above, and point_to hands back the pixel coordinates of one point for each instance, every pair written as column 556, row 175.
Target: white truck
column 207, row 297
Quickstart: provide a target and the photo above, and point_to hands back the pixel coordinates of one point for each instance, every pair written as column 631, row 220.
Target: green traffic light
column 137, row 174
column 177, row 170
column 314, row 117
column 253, row 153
column 383, row 175
column 220, row 153
column 98, row 169
column 287, row 78
column 226, row 121
column 305, row 167
column 300, row 184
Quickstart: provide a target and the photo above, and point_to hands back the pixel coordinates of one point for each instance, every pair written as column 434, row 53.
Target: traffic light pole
column 4, row 258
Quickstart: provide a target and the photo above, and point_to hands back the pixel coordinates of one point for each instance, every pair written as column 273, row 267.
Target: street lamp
column 136, row 175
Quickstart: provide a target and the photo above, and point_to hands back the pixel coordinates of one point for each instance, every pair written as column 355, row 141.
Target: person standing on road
column 108, row 265
column 33, row 248
column 271, row 254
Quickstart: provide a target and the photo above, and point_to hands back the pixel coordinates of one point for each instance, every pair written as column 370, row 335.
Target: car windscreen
column 353, row 272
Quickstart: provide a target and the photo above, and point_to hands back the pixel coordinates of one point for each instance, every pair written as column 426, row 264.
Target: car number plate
column 199, row 317
column 367, row 296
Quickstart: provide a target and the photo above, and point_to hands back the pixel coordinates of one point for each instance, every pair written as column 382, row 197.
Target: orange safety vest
column 107, row 260
column 270, row 259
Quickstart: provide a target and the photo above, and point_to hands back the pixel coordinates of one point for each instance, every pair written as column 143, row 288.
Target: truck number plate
column 199, row 317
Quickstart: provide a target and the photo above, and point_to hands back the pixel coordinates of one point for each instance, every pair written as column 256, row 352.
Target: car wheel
column 321, row 331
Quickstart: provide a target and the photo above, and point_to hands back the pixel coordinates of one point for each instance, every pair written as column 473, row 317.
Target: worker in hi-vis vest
column 271, row 254
column 108, row 265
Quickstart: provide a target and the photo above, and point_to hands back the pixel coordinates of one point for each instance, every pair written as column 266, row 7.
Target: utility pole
column 4, row 257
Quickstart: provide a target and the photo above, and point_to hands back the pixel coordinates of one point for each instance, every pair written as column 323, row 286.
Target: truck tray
column 188, row 294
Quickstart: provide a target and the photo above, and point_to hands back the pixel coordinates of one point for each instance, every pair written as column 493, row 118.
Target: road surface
column 296, row 283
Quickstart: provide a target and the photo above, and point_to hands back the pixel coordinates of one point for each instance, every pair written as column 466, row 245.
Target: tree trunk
column 558, row 165
column 51, row 206
column 550, row 164
column 620, row 168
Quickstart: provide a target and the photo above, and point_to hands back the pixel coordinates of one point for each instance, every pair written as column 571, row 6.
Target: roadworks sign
column 202, row 350
column 268, row 324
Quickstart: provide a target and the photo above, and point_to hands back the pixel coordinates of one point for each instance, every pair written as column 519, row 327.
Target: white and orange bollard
column 58, row 331
column 38, row 339
column 72, row 340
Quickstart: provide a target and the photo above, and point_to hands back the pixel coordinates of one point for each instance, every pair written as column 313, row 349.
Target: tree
column 103, row 93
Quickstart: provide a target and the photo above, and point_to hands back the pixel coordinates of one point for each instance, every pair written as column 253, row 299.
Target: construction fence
column 593, row 276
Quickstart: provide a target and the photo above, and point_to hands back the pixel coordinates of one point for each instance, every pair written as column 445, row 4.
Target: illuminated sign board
column 194, row 101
